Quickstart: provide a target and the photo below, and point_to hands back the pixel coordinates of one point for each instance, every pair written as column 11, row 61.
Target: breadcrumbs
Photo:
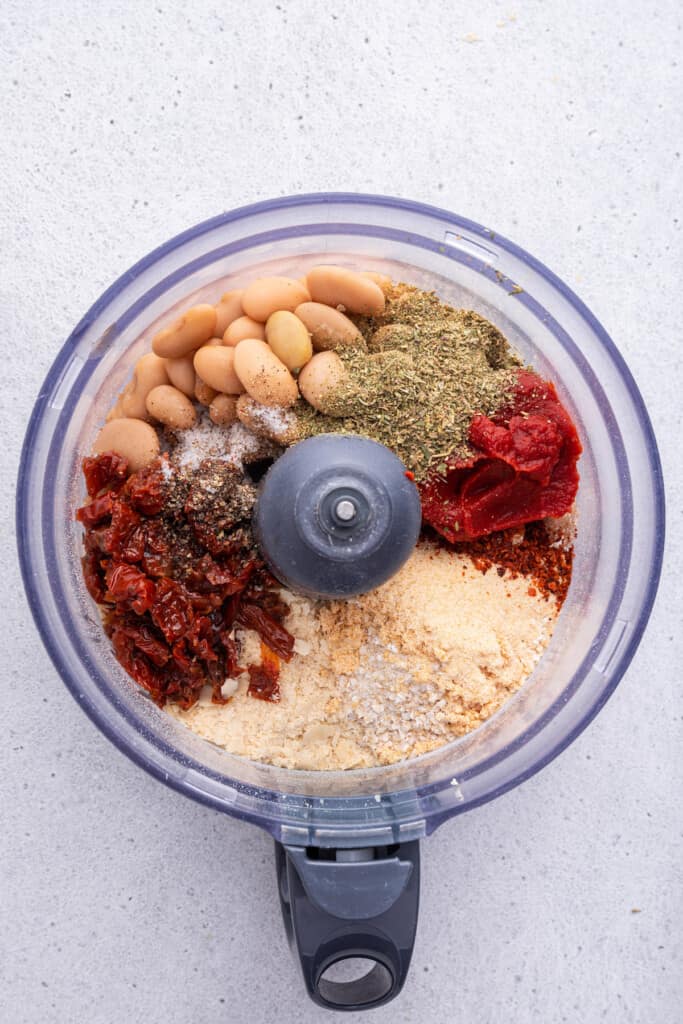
column 419, row 661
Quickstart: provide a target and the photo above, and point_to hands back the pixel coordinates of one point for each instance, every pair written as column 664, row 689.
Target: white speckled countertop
column 560, row 125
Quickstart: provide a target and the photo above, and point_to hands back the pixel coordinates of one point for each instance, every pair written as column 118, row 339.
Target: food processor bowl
column 347, row 854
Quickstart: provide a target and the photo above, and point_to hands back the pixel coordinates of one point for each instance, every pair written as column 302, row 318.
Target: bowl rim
column 624, row 657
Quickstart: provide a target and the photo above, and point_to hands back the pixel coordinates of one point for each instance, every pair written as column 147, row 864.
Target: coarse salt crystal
column 208, row 441
column 274, row 419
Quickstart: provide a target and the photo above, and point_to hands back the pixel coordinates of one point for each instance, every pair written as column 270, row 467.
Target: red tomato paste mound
column 523, row 467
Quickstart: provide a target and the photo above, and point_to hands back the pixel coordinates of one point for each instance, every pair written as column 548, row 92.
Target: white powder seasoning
column 207, row 440
column 275, row 419
column 423, row 659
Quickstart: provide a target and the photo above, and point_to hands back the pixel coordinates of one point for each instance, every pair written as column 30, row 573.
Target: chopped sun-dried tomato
column 93, row 576
column 124, row 539
column 146, row 490
column 106, row 470
column 171, row 594
column 263, row 678
column 96, row 511
column 271, row 632
column 127, row 585
column 172, row 610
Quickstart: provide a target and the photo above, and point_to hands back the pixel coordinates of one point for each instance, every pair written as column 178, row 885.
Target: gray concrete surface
column 560, row 125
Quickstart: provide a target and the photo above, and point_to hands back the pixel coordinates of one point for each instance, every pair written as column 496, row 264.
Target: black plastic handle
column 348, row 905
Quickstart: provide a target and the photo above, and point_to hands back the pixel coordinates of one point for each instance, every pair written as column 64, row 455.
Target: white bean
column 134, row 439
column 171, row 407
column 337, row 286
column 289, row 339
column 243, row 327
column 149, row 372
column 266, row 295
column 228, row 310
column 328, row 327
column 223, row 410
column 181, row 374
column 320, row 378
column 187, row 333
column 264, row 377
column 215, row 365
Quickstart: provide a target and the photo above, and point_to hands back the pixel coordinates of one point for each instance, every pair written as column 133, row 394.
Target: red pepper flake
column 409, row 474
column 549, row 567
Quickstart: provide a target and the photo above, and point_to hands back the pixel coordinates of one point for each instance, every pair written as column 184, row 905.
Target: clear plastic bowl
column 620, row 507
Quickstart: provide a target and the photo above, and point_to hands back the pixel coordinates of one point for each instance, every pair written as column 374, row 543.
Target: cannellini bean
column 266, row 295
column 202, row 392
column 243, row 327
column 115, row 411
column 223, row 410
column 134, row 439
column 264, row 377
column 187, row 333
column 149, row 372
column 289, row 339
column 337, row 286
column 171, row 407
column 215, row 366
column 328, row 327
column 227, row 310
column 319, row 378
column 279, row 425
column 382, row 280
column 181, row 374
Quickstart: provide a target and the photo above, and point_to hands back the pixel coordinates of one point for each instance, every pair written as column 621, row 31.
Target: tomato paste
column 523, row 467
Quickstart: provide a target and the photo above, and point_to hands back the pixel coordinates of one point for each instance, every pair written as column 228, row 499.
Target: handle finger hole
column 355, row 981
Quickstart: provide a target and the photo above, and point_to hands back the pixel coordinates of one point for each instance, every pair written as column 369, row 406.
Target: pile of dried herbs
column 427, row 371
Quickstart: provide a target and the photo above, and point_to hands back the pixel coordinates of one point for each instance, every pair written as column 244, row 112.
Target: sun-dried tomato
column 155, row 649
column 181, row 655
column 271, row 632
column 263, row 678
column 106, row 470
column 157, row 559
column 135, row 662
column 170, row 600
column 124, row 539
column 96, row 511
column 230, row 579
column 146, row 490
column 201, row 638
column 172, row 610
column 93, row 576
column 232, row 665
column 127, row 585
